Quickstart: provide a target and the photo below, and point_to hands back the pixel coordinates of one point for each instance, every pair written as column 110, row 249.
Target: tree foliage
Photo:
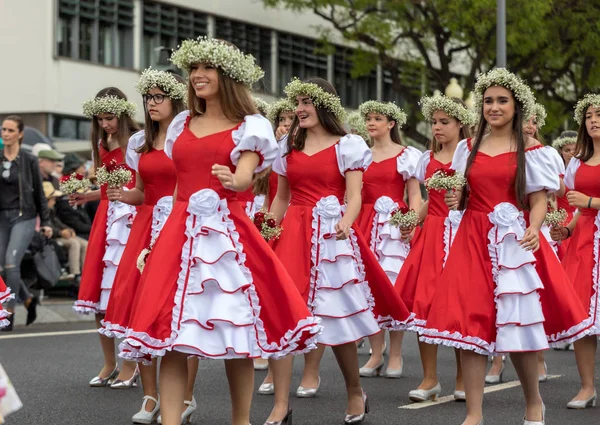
column 550, row 43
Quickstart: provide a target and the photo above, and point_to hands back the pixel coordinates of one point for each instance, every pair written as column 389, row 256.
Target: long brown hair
column 517, row 131
column 234, row 97
column 464, row 133
column 261, row 182
column 127, row 126
column 151, row 127
column 20, row 125
column 584, row 149
column 331, row 124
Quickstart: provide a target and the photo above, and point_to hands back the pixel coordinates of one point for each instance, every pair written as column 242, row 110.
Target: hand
column 225, row 176
column 114, row 193
column 77, row 199
column 531, row 240
column 280, row 132
column 46, row 231
column 451, row 199
column 559, row 233
column 67, row 233
column 407, row 233
column 577, row 199
column 342, row 230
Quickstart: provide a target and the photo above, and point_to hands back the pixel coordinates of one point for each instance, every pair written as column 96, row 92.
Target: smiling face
column 10, row 133
column 445, row 128
column 530, row 128
column 306, row 112
column 378, row 125
column 498, row 106
column 158, row 105
column 204, row 78
column 108, row 122
column 592, row 122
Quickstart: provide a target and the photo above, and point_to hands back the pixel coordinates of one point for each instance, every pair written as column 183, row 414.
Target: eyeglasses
column 6, row 165
column 156, row 98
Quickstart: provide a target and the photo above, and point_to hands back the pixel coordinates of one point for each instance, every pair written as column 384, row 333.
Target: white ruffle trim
column 255, row 206
column 451, row 224
column 6, row 295
column 338, row 293
column 386, row 240
column 118, row 226
column 216, row 307
column 353, row 154
column 4, row 315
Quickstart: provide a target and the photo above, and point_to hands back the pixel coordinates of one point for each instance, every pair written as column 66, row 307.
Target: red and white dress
column 581, row 261
column 383, row 190
column 493, row 296
column 340, row 280
column 563, row 202
column 5, row 295
column 158, row 174
column 212, row 287
column 108, row 237
column 417, row 280
column 559, row 167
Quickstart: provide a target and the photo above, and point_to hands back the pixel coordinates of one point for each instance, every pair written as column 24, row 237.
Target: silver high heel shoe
column 129, row 383
column 459, row 395
column 544, row 377
column 582, row 404
column 370, row 372
column 423, row 395
column 357, row 419
column 495, row 379
column 287, row 420
column 97, row 381
column 543, row 422
column 302, row 392
column 266, row 389
column 395, row 373
column 144, row 416
column 186, row 416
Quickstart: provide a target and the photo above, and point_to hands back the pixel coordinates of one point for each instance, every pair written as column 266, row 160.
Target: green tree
column 424, row 43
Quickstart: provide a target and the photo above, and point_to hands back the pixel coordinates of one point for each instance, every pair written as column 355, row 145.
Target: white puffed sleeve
column 461, row 155
column 572, row 168
column 255, row 135
column 132, row 157
column 353, row 154
column 406, row 163
column 280, row 163
column 175, row 129
column 422, row 165
column 542, row 170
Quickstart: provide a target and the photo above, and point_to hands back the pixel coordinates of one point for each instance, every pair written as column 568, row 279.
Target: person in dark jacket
column 22, row 200
column 75, row 217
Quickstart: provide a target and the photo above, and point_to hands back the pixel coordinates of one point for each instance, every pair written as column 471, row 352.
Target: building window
column 298, row 58
column 72, row 128
column 389, row 95
column 352, row 91
column 165, row 27
column 249, row 39
column 99, row 31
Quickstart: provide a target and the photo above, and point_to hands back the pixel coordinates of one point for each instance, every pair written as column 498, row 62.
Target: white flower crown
column 261, row 105
column 564, row 141
column 153, row 78
column 108, row 105
column 356, row 124
column 588, row 100
column 234, row 64
column 279, row 106
column 388, row 109
column 439, row 102
column 539, row 112
column 503, row 77
column 320, row 98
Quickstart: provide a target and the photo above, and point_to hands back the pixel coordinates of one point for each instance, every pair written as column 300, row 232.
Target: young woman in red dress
column 389, row 179
column 450, row 121
column 581, row 260
column 333, row 268
column 516, row 297
column 112, row 125
column 212, row 287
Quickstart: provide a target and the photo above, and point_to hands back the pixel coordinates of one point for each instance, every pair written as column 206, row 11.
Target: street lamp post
column 501, row 33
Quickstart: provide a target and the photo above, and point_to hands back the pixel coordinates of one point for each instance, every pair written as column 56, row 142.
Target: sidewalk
column 53, row 310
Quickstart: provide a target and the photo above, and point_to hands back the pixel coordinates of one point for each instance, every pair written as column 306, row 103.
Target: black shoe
column 11, row 321
column 32, row 311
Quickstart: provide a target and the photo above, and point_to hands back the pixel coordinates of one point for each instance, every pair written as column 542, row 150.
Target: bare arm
column 134, row 196
column 244, row 172
column 282, row 199
column 353, row 204
column 538, row 208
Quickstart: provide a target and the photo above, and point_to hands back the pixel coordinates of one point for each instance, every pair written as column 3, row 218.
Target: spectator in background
column 75, row 217
column 48, row 159
column 22, row 200
column 64, row 235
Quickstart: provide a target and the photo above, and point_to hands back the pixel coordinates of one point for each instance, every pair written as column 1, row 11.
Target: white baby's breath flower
column 539, row 112
column 389, row 109
column 108, row 105
column 588, row 100
column 564, row 141
column 261, row 105
column 439, row 102
column 278, row 107
column 153, row 78
column 356, row 124
column 319, row 97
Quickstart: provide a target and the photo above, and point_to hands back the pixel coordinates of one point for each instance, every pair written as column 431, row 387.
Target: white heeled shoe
column 544, row 377
column 370, row 372
column 97, row 381
column 495, row 379
column 395, row 373
column 423, row 395
column 186, row 416
column 266, row 389
column 144, row 416
column 260, row 366
column 582, row 404
column 543, row 422
column 302, row 392
column 460, row 395
column 129, row 383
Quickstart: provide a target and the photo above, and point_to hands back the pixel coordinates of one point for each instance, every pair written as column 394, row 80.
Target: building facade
column 62, row 52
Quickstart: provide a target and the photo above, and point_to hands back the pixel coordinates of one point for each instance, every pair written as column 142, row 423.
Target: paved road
column 51, row 373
